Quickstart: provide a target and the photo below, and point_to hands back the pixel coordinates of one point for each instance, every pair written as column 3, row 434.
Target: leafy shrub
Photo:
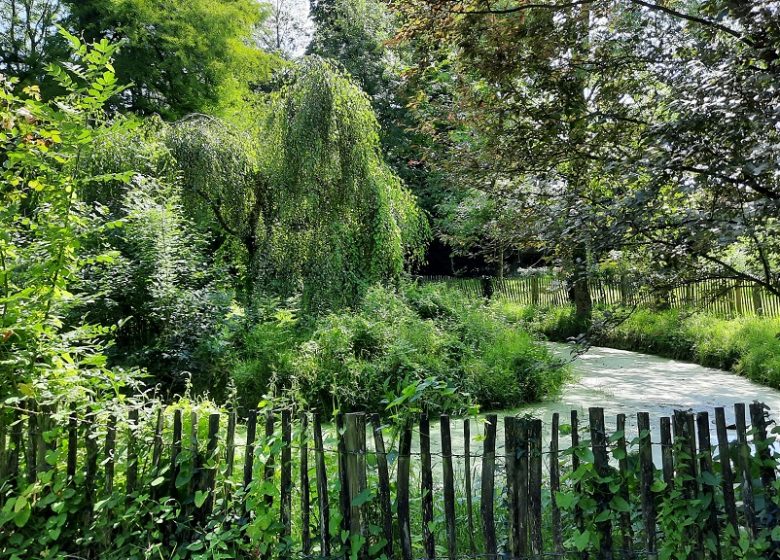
column 749, row 346
column 459, row 353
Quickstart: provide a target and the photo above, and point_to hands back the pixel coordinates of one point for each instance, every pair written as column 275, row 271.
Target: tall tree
column 28, row 38
column 180, row 56
column 307, row 193
column 601, row 105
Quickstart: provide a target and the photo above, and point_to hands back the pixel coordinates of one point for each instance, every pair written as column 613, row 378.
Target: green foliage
column 306, row 192
column 188, row 56
column 45, row 227
column 422, row 349
column 749, row 346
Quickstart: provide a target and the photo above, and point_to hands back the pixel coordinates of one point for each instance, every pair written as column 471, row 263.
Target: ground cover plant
column 748, row 346
column 421, row 341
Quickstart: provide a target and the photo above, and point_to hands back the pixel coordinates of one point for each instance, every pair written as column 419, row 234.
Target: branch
column 217, row 212
column 523, row 7
column 696, row 19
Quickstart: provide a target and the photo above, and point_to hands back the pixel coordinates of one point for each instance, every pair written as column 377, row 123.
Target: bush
column 749, row 346
column 422, row 348
column 443, row 353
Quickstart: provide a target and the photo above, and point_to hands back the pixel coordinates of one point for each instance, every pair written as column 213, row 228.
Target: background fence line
column 720, row 296
column 524, row 500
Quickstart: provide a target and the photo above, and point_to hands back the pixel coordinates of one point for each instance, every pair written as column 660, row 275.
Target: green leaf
column 157, row 481
column 565, row 500
column 365, row 496
column 22, row 516
column 200, row 498
column 582, row 540
column 658, row 486
column 603, row 516
column 618, row 503
column 709, row 479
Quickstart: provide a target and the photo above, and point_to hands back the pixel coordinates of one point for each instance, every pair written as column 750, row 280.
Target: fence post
column 268, row 468
column 342, row 463
column 175, row 450
column 132, row 454
column 32, row 436
column 598, row 440
column 322, row 487
column 73, row 426
column 14, row 454
column 304, row 473
column 488, row 486
column 535, row 299
column 685, row 462
column 575, row 464
column 667, row 458
column 516, row 450
column 625, row 517
column 355, row 445
column 426, row 487
column 448, row 479
column 402, row 498
column 535, row 485
column 755, row 293
column 249, row 449
column 383, row 475
column 744, row 467
column 230, row 445
column 467, row 466
column 45, row 424
column 555, row 485
column 211, row 460
column 724, row 458
column 110, row 451
column 646, row 483
column 758, row 421
column 624, row 289
column 705, row 467
column 285, row 499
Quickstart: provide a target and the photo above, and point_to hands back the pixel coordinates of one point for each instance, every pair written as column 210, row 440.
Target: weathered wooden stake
column 488, row 486
column 355, row 446
column 744, row 467
column 285, row 505
column 469, row 498
column 426, row 487
column 598, row 440
column 625, row 516
column 555, row 485
column 109, row 450
column 448, row 478
column 646, row 484
column 535, row 485
column 304, row 473
column 322, row 488
column 402, row 490
column 724, row 458
column 132, row 453
column 383, row 475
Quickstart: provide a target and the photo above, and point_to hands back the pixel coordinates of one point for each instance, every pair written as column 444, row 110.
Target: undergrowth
column 749, row 346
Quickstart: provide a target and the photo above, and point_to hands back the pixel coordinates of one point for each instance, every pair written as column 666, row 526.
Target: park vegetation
column 199, row 213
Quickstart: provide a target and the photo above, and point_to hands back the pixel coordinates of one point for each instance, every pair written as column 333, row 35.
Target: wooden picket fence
column 721, row 296
column 523, row 495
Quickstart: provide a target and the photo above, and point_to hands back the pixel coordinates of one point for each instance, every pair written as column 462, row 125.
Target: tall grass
column 749, row 346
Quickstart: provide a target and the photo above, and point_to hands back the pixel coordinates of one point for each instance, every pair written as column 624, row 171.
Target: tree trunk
column 580, row 286
column 500, row 265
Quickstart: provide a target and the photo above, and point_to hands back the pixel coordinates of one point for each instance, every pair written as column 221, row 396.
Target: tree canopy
column 305, row 190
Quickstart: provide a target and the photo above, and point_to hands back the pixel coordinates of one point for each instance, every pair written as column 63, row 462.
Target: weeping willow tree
column 306, row 192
